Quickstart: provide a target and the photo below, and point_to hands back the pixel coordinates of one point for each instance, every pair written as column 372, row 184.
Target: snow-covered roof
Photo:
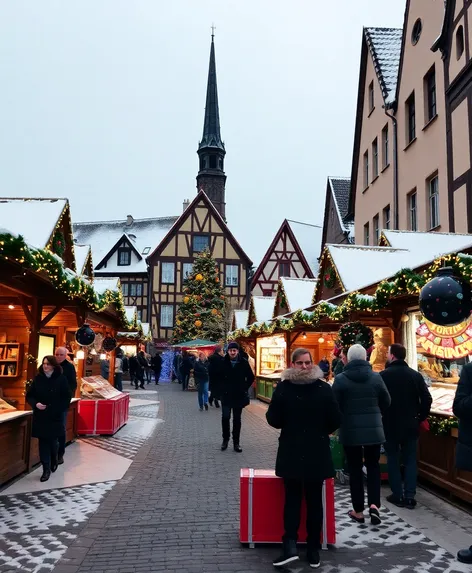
column 101, row 284
column 81, row 254
column 436, row 243
column 385, row 47
column 240, row 318
column 340, row 189
column 131, row 313
column 263, row 307
column 309, row 238
column 144, row 234
column 146, row 328
column 299, row 292
column 33, row 219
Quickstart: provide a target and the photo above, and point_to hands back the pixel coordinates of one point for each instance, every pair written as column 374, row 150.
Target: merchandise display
column 97, row 388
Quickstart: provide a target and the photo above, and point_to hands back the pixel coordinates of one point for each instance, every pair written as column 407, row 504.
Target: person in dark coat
column 68, row 369
column 200, row 371
column 362, row 397
column 410, row 405
column 49, row 396
column 215, row 370
column 156, row 364
column 133, row 370
column 236, row 380
column 303, row 406
column 185, row 368
column 324, row 365
column 142, row 364
column 462, row 408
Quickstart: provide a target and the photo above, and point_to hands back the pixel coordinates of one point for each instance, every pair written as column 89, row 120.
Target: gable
column 110, row 263
column 329, row 282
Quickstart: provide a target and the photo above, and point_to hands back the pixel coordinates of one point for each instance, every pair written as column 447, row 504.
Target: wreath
column 355, row 333
column 329, row 278
column 59, row 243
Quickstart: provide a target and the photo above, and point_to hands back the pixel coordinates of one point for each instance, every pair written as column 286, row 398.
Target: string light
column 80, row 355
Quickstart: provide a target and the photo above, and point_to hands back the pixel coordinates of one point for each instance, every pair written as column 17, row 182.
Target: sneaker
column 238, row 448
column 224, row 445
column 313, row 557
column 398, row 501
column 410, row 503
column 465, row 555
column 289, row 554
column 206, row 407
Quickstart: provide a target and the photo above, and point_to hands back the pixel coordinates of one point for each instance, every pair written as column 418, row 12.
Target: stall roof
column 309, row 238
column 430, row 245
column 82, row 253
column 262, row 307
column 240, row 318
column 102, row 284
column 34, row 219
column 131, row 313
column 299, row 292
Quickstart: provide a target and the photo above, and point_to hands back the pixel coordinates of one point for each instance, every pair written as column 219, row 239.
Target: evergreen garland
column 59, row 243
column 329, row 279
column 355, row 333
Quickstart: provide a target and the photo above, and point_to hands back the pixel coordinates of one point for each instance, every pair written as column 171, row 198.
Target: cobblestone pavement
column 177, row 509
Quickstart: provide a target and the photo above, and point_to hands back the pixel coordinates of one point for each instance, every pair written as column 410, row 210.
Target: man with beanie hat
column 237, row 378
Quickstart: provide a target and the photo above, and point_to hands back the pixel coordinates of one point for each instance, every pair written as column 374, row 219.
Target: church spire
column 211, row 149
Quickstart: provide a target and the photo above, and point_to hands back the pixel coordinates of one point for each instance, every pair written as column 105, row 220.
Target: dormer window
column 124, row 256
column 146, row 250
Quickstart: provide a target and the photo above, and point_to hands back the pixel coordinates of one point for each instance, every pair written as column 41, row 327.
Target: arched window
column 459, row 42
column 416, row 32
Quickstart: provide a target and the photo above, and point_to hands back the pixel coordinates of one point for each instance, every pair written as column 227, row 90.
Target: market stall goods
column 97, row 388
column 6, row 407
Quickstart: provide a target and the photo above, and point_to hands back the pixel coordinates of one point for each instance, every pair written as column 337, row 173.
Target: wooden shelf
column 5, row 363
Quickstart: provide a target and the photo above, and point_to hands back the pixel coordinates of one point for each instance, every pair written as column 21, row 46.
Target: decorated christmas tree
column 201, row 313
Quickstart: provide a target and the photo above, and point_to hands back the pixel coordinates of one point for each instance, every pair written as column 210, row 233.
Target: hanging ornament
column 85, row 335
column 109, row 343
column 214, row 312
column 217, row 280
column 199, row 277
column 446, row 299
column 186, row 299
column 198, row 323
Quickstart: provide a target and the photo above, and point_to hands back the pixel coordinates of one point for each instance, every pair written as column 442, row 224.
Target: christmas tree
column 201, row 313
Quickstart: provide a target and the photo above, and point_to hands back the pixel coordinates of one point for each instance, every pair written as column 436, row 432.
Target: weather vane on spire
column 213, row 28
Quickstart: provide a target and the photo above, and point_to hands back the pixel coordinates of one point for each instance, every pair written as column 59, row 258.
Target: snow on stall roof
column 146, row 328
column 240, row 318
column 142, row 233
column 434, row 244
column 385, row 47
column 81, row 254
column 263, row 307
column 299, row 292
column 101, row 284
column 131, row 313
column 33, row 219
column 309, row 238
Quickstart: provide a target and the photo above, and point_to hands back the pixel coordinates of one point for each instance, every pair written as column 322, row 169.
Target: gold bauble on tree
column 198, row 323
column 199, row 277
column 186, row 299
column 214, row 312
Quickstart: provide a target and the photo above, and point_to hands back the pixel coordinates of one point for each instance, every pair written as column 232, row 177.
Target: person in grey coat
column 362, row 397
column 462, row 408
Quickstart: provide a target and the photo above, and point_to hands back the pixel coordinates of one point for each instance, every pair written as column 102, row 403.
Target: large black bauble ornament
column 85, row 335
column 446, row 299
column 109, row 344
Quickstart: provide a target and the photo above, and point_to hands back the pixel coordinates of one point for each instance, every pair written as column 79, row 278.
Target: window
column 430, row 94
column 212, row 161
column 416, row 32
column 167, row 315
column 139, row 289
column 375, row 159
column 124, row 256
column 385, row 147
column 375, row 225
column 366, row 169
column 146, row 250
column 132, row 289
column 139, row 314
column 284, row 270
column 412, row 211
column 124, row 289
column 366, row 234
column 371, row 97
column 433, row 201
column 386, row 217
column 459, row 42
column 200, row 242
column 232, row 275
column 168, row 273
column 410, row 118
column 186, row 270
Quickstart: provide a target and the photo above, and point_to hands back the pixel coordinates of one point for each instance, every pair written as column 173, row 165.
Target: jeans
column 48, row 452
column 355, row 460
column 395, row 451
column 225, row 423
column 119, row 381
column 202, row 394
column 61, row 439
column 292, row 509
column 185, row 378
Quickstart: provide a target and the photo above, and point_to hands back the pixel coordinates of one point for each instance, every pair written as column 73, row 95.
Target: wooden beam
column 49, row 317
column 26, row 310
column 33, row 343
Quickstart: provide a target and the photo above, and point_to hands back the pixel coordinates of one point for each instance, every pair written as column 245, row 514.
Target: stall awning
column 197, row 343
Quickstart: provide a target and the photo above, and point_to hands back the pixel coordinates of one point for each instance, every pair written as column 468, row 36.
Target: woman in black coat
column 49, row 396
column 215, row 370
column 303, row 406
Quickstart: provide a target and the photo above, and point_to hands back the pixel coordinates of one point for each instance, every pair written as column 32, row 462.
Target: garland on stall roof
column 404, row 282
column 59, row 243
column 14, row 248
column 355, row 333
column 329, row 278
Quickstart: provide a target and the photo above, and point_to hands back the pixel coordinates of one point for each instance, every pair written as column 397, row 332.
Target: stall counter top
column 7, row 416
column 275, row 376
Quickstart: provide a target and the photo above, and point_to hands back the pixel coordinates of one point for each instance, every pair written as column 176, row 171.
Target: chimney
column 186, row 203
column 129, row 220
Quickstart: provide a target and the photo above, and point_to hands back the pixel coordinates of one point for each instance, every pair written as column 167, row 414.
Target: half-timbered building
column 294, row 253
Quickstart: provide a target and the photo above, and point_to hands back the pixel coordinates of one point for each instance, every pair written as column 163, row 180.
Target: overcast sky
column 102, row 101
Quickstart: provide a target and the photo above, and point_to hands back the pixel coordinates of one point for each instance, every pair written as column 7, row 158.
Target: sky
column 102, row 102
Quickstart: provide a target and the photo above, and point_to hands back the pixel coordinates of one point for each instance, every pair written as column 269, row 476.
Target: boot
column 217, row 404
column 224, row 445
column 54, row 464
column 46, row 473
column 289, row 554
column 237, row 448
column 465, row 555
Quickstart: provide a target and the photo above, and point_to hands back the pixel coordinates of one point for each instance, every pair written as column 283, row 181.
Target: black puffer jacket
column 200, row 371
column 215, row 370
column 362, row 397
column 305, row 409
column 462, row 408
column 236, row 382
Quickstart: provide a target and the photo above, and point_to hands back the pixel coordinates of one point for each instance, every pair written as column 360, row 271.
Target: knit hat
column 233, row 345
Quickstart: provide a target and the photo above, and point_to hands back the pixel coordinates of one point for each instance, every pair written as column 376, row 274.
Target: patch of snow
column 299, row 292
column 102, row 284
column 131, row 313
column 263, row 307
column 81, row 254
column 309, row 239
column 240, row 318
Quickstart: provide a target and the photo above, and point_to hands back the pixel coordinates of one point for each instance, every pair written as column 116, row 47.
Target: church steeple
column 211, row 149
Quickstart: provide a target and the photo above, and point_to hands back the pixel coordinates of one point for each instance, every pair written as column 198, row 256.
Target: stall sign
column 446, row 341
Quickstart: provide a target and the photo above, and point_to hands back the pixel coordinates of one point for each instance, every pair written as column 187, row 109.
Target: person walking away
column 142, row 365
column 156, row 365
column 362, row 397
column 200, row 371
column 119, row 370
column 462, row 409
column 68, row 369
column 324, row 365
column 186, row 366
column 236, row 381
column 148, row 368
column 215, row 370
column 410, row 405
column 49, row 396
column 304, row 408
column 133, row 370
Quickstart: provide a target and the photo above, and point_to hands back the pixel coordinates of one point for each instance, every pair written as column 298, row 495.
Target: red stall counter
column 262, row 497
column 104, row 417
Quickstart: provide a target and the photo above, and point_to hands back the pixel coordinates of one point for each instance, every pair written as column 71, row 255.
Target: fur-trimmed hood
column 303, row 376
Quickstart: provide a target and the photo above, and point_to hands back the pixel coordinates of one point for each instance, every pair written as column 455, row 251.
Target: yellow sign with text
column 448, row 342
